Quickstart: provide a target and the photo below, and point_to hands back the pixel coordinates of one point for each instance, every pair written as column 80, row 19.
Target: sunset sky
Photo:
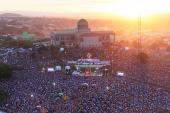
column 90, row 8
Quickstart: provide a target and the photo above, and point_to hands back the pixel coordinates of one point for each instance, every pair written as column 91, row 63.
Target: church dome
column 82, row 25
column 82, row 22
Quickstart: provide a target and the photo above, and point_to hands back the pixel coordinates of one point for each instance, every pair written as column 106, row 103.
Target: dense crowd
column 33, row 91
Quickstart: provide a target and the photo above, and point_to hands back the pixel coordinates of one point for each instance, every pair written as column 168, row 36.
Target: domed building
column 82, row 36
column 82, row 26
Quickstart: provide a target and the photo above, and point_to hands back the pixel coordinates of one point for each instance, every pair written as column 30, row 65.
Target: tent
column 76, row 73
column 61, row 49
column 60, row 94
column 58, row 68
column 67, row 68
column 119, row 73
column 50, row 69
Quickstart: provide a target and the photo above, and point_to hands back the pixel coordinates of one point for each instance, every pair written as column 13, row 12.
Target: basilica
column 82, row 36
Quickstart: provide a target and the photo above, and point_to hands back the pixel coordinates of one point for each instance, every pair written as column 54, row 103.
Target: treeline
column 5, row 73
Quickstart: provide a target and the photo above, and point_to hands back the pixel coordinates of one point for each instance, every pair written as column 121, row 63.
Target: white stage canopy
column 89, row 62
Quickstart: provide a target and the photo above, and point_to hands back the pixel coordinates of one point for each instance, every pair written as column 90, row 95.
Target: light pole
column 112, row 54
column 139, row 34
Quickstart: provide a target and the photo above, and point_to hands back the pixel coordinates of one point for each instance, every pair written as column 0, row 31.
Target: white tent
column 76, row 73
column 85, row 84
column 119, row 73
column 58, row 68
column 50, row 69
column 67, row 67
column 61, row 49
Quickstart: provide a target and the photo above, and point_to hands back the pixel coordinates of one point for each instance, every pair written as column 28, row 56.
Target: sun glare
column 135, row 8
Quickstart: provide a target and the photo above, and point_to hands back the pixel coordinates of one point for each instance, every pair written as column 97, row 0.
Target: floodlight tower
column 140, row 49
column 139, row 34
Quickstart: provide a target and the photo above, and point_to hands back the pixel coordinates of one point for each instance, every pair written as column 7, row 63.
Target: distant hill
column 10, row 15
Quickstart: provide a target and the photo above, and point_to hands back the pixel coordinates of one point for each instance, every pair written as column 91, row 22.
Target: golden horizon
column 129, row 9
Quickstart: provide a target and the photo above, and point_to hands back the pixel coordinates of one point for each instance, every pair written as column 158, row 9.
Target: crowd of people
column 34, row 91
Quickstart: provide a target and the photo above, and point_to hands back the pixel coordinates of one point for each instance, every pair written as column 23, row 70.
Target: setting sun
column 135, row 8
column 87, row 8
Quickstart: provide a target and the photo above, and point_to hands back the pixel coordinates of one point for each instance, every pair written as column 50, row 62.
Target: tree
column 3, row 95
column 142, row 58
column 5, row 71
column 27, row 44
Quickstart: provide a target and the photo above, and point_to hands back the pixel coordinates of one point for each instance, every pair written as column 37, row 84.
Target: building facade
column 44, row 42
column 82, row 36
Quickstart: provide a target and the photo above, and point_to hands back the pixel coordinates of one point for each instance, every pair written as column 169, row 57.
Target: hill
column 10, row 15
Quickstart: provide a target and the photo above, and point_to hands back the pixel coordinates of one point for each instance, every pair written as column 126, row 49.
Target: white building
column 82, row 36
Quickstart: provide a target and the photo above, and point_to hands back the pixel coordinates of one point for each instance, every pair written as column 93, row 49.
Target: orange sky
column 88, row 8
